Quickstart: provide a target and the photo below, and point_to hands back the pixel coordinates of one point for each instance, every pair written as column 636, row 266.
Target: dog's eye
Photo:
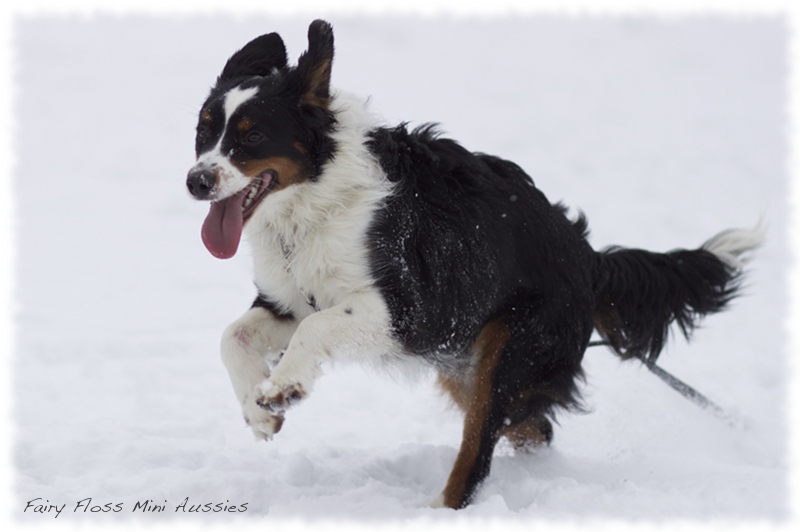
column 202, row 133
column 253, row 137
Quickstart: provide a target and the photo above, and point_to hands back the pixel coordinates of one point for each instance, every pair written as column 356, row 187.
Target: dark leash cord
column 684, row 389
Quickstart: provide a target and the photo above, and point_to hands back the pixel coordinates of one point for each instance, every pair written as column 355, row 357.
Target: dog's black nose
column 200, row 183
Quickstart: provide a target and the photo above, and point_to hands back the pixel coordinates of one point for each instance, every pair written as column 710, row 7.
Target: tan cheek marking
column 289, row 172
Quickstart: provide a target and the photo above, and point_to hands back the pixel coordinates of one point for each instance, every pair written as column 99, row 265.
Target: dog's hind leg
column 529, row 434
column 250, row 345
column 522, row 371
column 483, row 419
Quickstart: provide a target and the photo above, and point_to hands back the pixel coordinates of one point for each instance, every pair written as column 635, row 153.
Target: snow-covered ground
column 663, row 131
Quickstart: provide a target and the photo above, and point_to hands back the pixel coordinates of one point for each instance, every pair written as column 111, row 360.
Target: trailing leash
column 684, row 389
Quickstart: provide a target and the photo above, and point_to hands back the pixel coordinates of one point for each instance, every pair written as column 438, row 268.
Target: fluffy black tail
column 640, row 294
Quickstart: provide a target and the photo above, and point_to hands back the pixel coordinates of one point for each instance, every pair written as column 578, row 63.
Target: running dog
column 374, row 243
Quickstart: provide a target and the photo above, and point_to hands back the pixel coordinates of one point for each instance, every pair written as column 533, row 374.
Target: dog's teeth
column 251, row 196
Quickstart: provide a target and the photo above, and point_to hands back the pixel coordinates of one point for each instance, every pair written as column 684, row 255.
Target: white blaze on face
column 229, row 179
column 235, row 98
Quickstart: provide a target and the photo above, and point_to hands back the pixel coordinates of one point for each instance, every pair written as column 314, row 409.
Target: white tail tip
column 733, row 246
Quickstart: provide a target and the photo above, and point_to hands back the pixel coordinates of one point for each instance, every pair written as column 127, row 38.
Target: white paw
column 437, row 502
column 276, row 397
column 264, row 424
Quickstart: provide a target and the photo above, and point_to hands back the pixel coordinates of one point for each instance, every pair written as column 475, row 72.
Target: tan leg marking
column 476, row 401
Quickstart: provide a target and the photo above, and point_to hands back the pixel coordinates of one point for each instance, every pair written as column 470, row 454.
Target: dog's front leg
column 250, row 345
column 359, row 328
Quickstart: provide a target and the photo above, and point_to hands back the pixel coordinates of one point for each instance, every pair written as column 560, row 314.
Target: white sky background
column 318, row 8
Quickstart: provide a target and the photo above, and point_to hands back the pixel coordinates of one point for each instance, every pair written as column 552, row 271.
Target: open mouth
column 262, row 185
column 222, row 228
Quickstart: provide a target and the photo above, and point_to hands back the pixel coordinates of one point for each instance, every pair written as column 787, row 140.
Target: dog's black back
column 467, row 238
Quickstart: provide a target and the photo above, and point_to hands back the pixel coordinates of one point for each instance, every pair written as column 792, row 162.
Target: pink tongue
column 222, row 229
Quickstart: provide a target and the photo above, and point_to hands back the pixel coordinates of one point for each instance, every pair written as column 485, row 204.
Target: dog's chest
column 314, row 272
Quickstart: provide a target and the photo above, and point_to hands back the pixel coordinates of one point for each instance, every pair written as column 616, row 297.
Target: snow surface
column 663, row 131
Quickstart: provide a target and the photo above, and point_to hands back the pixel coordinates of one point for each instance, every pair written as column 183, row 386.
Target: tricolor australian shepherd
column 381, row 243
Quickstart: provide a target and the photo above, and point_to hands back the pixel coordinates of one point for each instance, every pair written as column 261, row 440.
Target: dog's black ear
column 258, row 58
column 314, row 65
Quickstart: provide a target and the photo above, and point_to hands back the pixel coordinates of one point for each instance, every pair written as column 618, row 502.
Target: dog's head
column 264, row 127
